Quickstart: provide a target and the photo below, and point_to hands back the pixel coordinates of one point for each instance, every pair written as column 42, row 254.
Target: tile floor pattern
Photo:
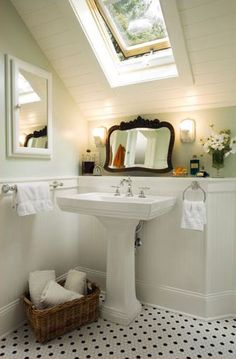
column 154, row 334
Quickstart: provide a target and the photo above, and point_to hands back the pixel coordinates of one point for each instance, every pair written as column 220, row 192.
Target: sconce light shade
column 187, row 130
column 99, row 135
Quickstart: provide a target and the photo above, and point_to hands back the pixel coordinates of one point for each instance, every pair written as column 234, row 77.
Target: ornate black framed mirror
column 140, row 145
column 37, row 139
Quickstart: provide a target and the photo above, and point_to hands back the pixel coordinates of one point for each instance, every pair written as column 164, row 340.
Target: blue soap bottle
column 194, row 165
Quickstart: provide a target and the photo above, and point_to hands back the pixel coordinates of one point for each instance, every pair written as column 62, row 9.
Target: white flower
column 233, row 145
column 206, row 147
column 219, row 141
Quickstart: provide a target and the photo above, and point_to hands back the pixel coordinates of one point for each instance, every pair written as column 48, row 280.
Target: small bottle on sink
column 194, row 165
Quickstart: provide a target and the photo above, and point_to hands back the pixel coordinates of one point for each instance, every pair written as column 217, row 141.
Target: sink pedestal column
column 121, row 305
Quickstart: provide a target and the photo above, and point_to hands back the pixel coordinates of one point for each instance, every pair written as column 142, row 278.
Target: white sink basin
column 108, row 205
column 120, row 215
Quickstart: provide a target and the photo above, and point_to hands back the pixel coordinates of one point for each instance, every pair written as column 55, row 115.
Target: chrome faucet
column 128, row 180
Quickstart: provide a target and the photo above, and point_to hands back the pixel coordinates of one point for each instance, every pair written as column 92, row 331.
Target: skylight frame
column 100, row 12
column 176, row 72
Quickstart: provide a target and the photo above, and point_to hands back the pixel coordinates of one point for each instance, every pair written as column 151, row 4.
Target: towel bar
column 194, row 186
column 8, row 188
column 13, row 188
column 56, row 184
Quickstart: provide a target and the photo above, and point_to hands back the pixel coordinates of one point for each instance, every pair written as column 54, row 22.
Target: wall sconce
column 99, row 135
column 187, row 130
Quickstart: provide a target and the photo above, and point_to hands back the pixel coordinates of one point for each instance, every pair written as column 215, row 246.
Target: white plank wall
column 209, row 28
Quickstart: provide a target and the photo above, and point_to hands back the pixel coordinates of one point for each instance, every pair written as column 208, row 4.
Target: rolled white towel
column 37, row 283
column 76, row 281
column 54, row 294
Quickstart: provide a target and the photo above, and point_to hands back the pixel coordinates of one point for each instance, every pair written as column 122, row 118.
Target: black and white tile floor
column 154, row 334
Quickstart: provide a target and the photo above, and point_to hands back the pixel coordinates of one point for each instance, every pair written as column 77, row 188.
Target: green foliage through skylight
column 138, row 21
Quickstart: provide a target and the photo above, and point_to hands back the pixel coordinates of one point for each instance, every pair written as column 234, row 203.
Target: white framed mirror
column 29, row 109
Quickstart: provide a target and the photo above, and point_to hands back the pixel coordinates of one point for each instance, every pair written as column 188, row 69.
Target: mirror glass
column 29, row 120
column 32, row 99
column 131, row 146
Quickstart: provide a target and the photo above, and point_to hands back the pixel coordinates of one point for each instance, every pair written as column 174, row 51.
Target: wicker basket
column 55, row 321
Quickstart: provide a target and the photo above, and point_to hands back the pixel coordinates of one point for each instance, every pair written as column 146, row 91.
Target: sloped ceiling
column 209, row 28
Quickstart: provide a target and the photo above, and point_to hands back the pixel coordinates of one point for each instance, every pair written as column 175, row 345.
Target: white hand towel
column 76, row 281
column 54, row 294
column 194, row 215
column 32, row 198
column 37, row 283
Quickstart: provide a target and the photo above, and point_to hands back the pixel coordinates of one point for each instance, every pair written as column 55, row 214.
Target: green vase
column 218, row 161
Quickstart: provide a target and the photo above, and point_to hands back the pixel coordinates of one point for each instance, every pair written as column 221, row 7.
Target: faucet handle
column 117, row 191
column 141, row 193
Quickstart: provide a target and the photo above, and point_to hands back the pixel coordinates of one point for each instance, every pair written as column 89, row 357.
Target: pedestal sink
column 120, row 215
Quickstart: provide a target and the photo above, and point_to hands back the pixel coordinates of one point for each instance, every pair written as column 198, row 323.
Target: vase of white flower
column 218, row 161
column 219, row 145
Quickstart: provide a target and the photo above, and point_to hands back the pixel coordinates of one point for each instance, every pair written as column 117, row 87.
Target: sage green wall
column 69, row 127
column 224, row 117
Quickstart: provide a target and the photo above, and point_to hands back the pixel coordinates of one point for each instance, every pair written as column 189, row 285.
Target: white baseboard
column 11, row 316
column 188, row 314
column 202, row 306
column 205, row 307
column 198, row 305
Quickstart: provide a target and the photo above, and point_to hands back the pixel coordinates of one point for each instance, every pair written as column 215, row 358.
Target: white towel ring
column 195, row 186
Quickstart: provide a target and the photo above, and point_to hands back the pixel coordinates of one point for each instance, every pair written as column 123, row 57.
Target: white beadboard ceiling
column 209, row 28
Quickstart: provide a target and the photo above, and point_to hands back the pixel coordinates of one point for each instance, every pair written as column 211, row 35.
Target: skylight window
column 140, row 33
column 137, row 26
